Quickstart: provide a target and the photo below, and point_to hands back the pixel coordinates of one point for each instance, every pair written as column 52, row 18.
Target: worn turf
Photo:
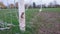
column 36, row 22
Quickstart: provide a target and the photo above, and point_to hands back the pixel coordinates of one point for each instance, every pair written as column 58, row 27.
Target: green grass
column 9, row 16
column 52, row 9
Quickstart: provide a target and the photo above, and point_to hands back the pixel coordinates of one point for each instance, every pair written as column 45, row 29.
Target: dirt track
column 47, row 23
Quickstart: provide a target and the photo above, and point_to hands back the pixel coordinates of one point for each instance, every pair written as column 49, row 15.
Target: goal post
column 41, row 6
column 21, row 7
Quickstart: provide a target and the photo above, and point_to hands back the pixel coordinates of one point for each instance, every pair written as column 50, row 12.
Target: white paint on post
column 21, row 6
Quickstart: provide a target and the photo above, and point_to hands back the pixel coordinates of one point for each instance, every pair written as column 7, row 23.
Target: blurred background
column 30, row 3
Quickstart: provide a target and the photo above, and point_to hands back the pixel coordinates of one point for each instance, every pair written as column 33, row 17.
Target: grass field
column 11, row 16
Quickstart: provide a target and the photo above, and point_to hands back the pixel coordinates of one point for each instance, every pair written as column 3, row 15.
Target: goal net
column 9, row 15
column 9, row 23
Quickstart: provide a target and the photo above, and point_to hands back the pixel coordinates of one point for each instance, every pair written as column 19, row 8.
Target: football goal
column 12, row 16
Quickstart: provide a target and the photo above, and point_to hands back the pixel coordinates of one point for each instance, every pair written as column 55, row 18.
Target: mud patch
column 47, row 23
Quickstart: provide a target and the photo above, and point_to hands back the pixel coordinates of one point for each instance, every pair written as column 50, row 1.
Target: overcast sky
column 30, row 1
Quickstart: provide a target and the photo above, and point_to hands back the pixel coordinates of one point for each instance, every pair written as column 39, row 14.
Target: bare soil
column 47, row 23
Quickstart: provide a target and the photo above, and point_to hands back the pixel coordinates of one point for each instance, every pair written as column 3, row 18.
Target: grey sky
column 30, row 1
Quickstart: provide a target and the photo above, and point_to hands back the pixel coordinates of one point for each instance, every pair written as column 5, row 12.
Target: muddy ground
column 47, row 23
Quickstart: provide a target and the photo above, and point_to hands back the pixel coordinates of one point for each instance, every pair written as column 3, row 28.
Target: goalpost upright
column 21, row 7
column 41, row 6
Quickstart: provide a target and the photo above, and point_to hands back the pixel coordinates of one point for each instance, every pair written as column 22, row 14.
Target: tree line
column 50, row 5
column 2, row 6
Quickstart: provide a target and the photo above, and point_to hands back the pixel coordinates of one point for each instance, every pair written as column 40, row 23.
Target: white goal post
column 41, row 6
column 21, row 7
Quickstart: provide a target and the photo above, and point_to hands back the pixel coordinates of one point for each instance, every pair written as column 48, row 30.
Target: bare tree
column 16, row 4
column 55, row 3
column 34, row 5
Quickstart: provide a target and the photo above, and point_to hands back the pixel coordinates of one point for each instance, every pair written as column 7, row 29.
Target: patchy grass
column 10, row 16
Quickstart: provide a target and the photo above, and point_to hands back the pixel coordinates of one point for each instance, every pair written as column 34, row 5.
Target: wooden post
column 21, row 7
